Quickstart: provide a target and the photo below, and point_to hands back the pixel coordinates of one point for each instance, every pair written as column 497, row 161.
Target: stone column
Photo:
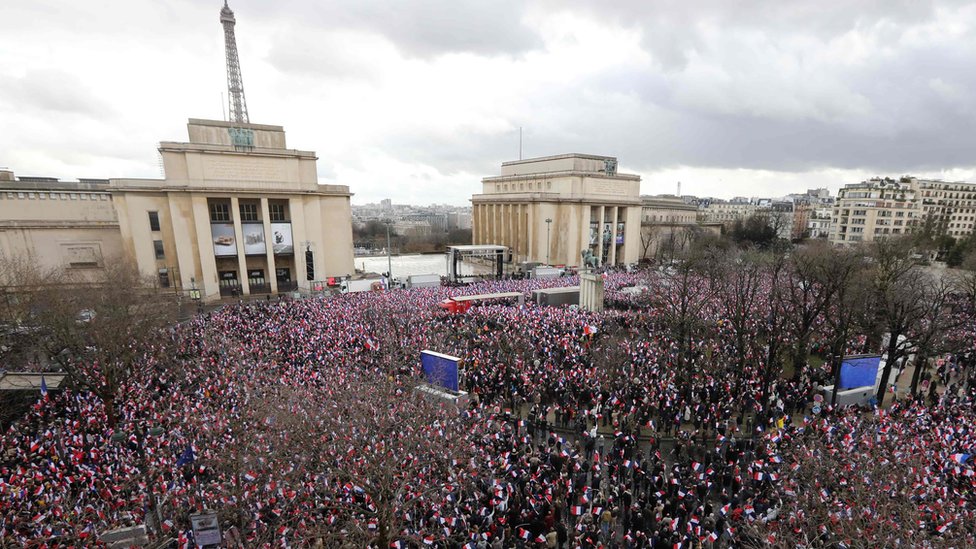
column 208, row 282
column 296, row 210
column 599, row 234
column 513, row 233
column 235, row 214
column 476, row 223
column 613, row 239
column 269, row 245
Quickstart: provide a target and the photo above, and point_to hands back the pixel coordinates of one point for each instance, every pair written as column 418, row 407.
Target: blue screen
column 440, row 370
column 859, row 372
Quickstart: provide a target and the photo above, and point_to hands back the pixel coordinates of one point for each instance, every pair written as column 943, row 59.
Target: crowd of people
column 584, row 429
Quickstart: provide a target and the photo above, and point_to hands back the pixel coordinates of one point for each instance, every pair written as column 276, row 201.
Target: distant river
column 405, row 265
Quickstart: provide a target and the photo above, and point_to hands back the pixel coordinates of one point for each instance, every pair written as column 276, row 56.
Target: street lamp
column 548, row 225
column 389, row 261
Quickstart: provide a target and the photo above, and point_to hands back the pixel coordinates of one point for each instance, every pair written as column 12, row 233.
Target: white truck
column 361, row 285
column 546, row 272
column 420, row 281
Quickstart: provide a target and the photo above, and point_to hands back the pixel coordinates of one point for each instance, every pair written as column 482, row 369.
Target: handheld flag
column 187, row 456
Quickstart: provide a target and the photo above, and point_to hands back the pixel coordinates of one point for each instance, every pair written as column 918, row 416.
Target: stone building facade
column 237, row 213
column 550, row 209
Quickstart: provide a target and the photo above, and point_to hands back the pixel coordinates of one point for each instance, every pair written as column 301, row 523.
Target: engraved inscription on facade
column 243, row 169
column 604, row 187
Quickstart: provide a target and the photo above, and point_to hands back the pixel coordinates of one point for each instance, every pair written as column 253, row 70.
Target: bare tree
column 684, row 294
column 900, row 289
column 390, row 451
column 100, row 332
column 940, row 316
column 648, row 235
column 964, row 281
column 21, row 282
column 850, row 308
column 741, row 283
column 774, row 323
column 856, row 495
column 808, row 293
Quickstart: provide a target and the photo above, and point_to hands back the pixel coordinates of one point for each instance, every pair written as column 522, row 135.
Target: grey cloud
column 674, row 29
column 419, row 28
column 52, row 91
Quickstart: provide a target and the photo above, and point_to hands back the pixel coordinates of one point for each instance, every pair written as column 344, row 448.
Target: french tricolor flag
column 250, row 476
column 576, row 510
column 960, row 458
column 524, row 534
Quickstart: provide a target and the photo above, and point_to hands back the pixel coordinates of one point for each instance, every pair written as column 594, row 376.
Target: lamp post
column 389, row 260
column 548, row 226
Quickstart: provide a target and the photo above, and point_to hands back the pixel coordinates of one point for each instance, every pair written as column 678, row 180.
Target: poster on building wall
column 607, row 233
column 594, row 233
column 620, row 233
column 223, row 239
column 281, row 242
column 253, row 234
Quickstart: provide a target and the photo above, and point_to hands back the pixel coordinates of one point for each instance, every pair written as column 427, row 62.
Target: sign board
column 859, row 371
column 440, row 369
column 281, row 239
column 253, row 234
column 206, row 529
column 224, row 242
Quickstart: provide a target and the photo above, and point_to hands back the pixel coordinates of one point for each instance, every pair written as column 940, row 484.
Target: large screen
column 253, row 239
column 224, row 242
column 859, row 371
column 281, row 242
column 440, row 369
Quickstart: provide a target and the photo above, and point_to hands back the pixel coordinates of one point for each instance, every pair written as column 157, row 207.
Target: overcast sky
column 417, row 100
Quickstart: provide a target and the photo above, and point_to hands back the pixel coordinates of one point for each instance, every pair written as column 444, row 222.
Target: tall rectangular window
column 153, row 221
column 276, row 212
column 219, row 211
column 249, row 212
column 158, row 248
column 164, row 278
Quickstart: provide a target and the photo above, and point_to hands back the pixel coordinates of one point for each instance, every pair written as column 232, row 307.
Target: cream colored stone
column 110, row 218
column 571, row 190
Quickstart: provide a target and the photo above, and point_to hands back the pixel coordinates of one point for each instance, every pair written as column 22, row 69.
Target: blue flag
column 187, row 457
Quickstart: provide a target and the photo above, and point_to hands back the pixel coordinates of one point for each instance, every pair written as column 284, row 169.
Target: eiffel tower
column 235, row 84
